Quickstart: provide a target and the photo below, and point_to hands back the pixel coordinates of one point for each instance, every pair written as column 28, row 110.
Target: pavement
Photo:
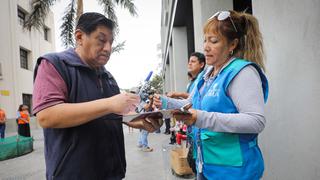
column 140, row 165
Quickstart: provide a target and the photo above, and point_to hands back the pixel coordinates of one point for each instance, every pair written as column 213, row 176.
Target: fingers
column 133, row 98
column 157, row 101
column 181, row 117
column 188, row 119
column 131, row 108
column 170, row 94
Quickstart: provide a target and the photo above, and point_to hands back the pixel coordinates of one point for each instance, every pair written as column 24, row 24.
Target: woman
column 228, row 100
column 3, row 119
column 23, row 121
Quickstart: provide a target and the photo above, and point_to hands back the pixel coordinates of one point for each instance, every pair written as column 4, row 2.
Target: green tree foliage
column 157, row 83
column 40, row 9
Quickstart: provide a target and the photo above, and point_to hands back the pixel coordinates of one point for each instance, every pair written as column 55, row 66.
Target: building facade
column 19, row 50
column 291, row 37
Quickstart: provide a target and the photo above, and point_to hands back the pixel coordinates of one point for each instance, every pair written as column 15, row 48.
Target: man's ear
column 79, row 36
column 202, row 65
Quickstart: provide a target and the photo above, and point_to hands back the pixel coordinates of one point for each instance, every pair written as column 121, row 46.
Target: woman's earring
column 231, row 53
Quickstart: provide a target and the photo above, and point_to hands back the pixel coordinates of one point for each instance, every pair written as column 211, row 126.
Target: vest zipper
column 100, row 83
column 101, row 88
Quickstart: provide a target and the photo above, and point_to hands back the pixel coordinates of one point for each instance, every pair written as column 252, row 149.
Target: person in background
column 23, row 117
column 196, row 65
column 79, row 105
column 228, row 100
column 181, row 132
column 3, row 119
column 167, row 124
column 143, row 137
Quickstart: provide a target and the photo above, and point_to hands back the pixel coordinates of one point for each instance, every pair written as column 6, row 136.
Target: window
column 23, row 58
column 243, row 6
column 21, row 16
column 27, row 100
column 46, row 33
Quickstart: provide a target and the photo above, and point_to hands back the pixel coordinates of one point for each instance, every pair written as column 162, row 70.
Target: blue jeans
column 143, row 138
column 2, row 129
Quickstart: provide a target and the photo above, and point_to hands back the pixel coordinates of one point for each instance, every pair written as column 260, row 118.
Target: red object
column 180, row 137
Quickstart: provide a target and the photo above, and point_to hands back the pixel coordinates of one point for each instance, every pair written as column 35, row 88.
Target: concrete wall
column 290, row 141
column 202, row 10
column 171, row 70
column 167, row 79
column 180, row 58
column 15, row 80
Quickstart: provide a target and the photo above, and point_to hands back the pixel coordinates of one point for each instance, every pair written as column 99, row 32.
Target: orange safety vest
column 24, row 115
column 2, row 115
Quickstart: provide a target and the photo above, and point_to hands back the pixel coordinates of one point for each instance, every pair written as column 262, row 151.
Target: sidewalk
column 140, row 165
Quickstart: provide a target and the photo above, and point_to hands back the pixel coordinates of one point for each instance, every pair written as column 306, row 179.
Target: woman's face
column 25, row 108
column 216, row 49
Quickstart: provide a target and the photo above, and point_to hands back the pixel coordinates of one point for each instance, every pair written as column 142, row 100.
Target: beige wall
column 290, row 141
column 16, row 80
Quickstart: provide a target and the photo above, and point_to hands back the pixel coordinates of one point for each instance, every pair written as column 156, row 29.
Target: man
column 196, row 64
column 77, row 102
column 2, row 123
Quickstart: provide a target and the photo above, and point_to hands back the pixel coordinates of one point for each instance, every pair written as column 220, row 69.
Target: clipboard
column 164, row 114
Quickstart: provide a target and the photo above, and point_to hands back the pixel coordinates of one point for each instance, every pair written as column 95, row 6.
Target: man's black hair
column 88, row 22
column 201, row 58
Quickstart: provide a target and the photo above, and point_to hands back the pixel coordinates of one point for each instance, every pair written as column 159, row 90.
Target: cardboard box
column 179, row 162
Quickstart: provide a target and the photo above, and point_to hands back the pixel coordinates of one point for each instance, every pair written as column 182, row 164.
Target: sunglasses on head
column 223, row 15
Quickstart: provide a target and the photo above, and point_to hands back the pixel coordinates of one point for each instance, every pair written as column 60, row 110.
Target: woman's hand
column 186, row 118
column 157, row 101
column 171, row 94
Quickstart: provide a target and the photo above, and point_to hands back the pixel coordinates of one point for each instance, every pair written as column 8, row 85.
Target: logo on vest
column 213, row 91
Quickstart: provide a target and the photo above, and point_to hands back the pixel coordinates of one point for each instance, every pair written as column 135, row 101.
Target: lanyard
column 202, row 92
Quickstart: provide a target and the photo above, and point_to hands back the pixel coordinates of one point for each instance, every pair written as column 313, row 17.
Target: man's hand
column 150, row 123
column 188, row 119
column 124, row 103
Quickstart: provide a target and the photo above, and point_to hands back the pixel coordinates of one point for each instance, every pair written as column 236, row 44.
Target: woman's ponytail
column 252, row 49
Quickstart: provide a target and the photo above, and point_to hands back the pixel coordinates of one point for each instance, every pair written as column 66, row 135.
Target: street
column 140, row 165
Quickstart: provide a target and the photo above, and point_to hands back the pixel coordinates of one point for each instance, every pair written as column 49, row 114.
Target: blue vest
column 227, row 156
column 94, row 150
column 193, row 82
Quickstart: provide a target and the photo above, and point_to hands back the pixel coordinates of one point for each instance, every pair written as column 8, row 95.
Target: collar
column 209, row 70
column 73, row 59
